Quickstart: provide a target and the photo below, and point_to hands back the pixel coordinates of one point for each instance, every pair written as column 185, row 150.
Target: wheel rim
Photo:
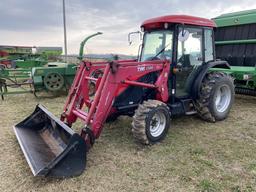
column 223, row 98
column 54, row 81
column 157, row 124
column 92, row 87
column 91, row 84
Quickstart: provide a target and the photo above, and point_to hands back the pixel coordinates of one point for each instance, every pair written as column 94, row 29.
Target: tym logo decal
column 149, row 68
column 141, row 68
column 144, row 68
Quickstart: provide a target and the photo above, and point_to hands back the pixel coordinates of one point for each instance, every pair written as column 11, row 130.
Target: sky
column 40, row 22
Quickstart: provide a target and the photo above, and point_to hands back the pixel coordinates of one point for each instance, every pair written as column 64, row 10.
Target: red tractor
column 170, row 78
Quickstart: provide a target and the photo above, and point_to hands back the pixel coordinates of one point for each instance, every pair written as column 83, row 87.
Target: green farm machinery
column 17, row 64
column 18, row 80
column 25, row 57
column 52, row 77
column 235, row 40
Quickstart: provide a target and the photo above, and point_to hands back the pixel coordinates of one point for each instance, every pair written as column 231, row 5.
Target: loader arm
column 116, row 78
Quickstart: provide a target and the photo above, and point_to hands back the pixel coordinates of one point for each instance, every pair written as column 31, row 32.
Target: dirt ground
column 195, row 156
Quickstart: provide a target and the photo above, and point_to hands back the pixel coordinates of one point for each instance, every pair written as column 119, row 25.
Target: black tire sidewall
column 161, row 109
column 220, row 115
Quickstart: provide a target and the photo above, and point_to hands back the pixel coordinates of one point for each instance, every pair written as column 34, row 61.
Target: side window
column 208, row 45
column 190, row 47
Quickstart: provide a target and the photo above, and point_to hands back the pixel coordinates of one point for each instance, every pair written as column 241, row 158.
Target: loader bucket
column 51, row 148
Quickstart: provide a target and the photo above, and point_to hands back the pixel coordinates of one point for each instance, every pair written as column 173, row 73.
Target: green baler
column 54, row 77
column 235, row 41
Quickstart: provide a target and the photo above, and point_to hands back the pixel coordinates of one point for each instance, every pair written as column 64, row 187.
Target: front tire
column 151, row 122
column 216, row 97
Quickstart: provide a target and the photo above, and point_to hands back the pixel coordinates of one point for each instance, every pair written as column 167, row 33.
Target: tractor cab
column 186, row 41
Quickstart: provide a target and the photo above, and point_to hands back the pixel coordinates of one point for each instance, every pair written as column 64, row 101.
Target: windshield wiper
column 161, row 51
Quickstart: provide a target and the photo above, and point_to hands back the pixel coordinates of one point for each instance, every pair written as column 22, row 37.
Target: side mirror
column 132, row 33
column 183, row 35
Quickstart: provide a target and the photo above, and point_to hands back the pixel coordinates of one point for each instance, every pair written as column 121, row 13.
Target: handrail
column 243, row 41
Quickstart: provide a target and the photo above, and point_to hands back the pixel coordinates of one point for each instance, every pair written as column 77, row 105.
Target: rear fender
column 202, row 71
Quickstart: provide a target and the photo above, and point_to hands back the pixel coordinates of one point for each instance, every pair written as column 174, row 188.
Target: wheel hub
column 53, row 81
column 223, row 98
column 157, row 124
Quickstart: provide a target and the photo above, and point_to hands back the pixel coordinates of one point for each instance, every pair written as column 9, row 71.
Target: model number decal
column 144, row 68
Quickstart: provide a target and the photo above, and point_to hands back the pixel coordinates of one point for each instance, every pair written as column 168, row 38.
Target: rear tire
column 151, row 122
column 216, row 97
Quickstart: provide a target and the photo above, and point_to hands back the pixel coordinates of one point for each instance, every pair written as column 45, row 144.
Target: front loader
column 170, row 78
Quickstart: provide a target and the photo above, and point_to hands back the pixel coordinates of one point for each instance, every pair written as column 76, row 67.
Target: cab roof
column 178, row 19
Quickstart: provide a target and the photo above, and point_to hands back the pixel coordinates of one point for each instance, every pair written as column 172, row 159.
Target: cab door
column 189, row 57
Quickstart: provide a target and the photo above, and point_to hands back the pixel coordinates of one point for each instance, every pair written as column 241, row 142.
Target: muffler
column 50, row 147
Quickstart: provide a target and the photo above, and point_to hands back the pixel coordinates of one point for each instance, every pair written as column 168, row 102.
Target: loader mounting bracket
column 88, row 132
column 113, row 66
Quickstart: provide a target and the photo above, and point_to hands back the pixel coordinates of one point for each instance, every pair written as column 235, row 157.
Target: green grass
column 208, row 186
column 195, row 155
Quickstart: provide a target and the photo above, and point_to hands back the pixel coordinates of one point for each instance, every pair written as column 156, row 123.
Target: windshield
column 157, row 45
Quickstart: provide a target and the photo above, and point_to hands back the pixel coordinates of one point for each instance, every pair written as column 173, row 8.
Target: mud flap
column 51, row 148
